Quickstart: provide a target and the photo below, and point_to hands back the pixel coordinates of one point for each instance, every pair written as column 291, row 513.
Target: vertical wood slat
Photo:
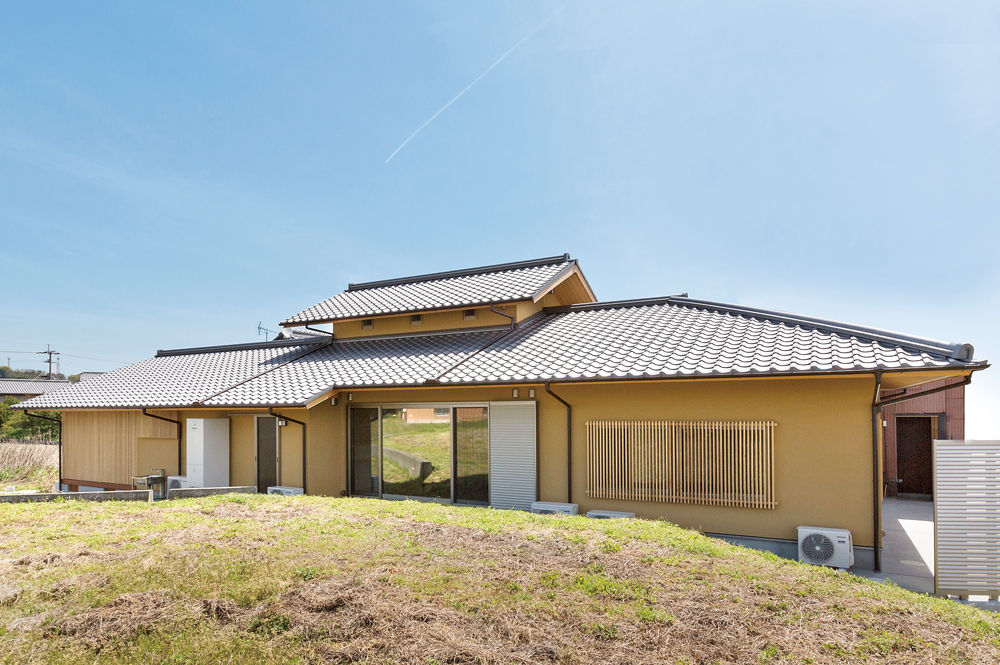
column 718, row 463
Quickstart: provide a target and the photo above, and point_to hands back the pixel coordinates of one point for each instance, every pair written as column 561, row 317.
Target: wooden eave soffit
column 322, row 398
column 572, row 285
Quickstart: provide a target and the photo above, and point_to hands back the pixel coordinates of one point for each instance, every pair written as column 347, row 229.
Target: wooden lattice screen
column 710, row 463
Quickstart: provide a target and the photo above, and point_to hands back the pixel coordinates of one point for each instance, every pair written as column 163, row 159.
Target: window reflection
column 472, row 454
column 416, row 453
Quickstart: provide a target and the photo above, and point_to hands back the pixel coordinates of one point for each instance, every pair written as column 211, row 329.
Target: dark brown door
column 913, row 455
column 267, row 453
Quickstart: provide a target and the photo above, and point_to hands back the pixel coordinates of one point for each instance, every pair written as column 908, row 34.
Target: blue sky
column 172, row 174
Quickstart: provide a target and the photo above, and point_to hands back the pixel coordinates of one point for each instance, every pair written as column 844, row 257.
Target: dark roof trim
column 961, row 351
column 537, row 382
column 162, row 353
column 430, row 277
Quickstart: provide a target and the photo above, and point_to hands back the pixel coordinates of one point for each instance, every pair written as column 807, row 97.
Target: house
column 911, row 426
column 22, row 389
column 741, row 422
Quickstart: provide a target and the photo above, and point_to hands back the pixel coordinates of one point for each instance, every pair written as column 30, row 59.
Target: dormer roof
column 496, row 284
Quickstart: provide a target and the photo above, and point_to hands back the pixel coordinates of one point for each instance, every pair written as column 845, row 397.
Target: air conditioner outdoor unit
column 284, row 491
column 550, row 508
column 608, row 514
column 826, row 547
column 177, row 482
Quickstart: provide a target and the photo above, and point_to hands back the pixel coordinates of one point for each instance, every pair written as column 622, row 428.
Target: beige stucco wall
column 396, row 325
column 822, row 443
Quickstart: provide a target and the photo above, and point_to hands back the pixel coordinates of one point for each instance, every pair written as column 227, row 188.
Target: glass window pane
column 472, row 454
column 364, row 452
column 416, row 450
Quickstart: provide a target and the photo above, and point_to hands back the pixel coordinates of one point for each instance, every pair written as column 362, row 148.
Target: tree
column 17, row 425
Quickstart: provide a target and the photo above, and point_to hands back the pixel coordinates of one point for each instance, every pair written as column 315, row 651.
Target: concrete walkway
column 908, row 549
column 908, row 545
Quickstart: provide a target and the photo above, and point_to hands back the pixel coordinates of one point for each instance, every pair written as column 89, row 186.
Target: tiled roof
column 508, row 282
column 655, row 339
column 391, row 361
column 173, row 378
column 677, row 337
column 29, row 386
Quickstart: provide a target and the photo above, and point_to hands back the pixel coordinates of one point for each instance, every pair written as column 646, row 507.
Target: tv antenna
column 261, row 330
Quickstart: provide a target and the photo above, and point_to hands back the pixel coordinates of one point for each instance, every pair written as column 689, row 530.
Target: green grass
column 256, row 579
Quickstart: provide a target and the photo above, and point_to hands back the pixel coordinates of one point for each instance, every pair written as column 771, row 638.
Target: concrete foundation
column 118, row 495
column 864, row 557
column 197, row 492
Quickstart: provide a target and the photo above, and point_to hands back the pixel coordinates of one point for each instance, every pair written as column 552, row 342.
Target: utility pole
column 50, row 353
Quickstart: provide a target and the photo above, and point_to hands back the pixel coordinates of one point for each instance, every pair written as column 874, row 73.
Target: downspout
column 324, row 332
column 270, row 411
column 876, row 481
column 569, row 443
column 57, row 421
column 502, row 314
column 180, row 470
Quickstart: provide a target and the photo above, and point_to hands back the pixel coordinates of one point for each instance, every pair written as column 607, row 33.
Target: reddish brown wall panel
column 951, row 403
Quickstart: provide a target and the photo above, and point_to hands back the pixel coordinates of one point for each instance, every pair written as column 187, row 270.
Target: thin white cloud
column 499, row 60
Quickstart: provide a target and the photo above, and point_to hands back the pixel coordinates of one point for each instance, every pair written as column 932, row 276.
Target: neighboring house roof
column 644, row 339
column 20, row 387
column 86, row 376
column 507, row 282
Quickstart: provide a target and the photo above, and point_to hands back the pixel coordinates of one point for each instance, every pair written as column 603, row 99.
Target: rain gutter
column 569, row 443
column 57, row 421
column 270, row 411
column 180, row 470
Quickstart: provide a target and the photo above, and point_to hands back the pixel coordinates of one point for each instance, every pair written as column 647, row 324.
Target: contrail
column 542, row 25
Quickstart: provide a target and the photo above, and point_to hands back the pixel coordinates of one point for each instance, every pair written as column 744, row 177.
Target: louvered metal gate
column 967, row 518
column 513, row 455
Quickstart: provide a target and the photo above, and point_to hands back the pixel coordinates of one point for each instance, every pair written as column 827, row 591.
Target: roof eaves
column 430, row 277
column 397, row 312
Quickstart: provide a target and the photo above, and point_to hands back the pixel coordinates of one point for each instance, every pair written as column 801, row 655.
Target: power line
column 69, row 355
column 49, row 352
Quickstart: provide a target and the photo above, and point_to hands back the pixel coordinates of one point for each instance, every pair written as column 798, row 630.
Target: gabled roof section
column 177, row 378
column 496, row 284
column 675, row 337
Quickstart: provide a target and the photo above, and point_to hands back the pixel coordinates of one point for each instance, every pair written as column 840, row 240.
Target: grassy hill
column 249, row 579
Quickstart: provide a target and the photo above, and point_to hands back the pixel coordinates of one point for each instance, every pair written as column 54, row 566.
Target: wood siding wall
column 949, row 403
column 100, row 446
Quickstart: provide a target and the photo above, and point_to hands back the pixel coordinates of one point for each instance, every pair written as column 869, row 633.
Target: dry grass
column 28, row 465
column 258, row 579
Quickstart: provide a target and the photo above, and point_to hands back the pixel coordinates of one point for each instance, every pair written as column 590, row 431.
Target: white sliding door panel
column 513, row 455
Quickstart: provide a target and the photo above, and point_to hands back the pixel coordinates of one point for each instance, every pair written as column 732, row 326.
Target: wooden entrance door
column 913, row 455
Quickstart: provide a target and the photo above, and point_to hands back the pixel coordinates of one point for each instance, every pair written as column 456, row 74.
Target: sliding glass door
column 364, row 445
column 438, row 453
column 416, row 453
column 472, row 454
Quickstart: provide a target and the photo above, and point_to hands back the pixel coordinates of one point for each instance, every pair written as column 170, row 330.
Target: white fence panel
column 967, row 518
